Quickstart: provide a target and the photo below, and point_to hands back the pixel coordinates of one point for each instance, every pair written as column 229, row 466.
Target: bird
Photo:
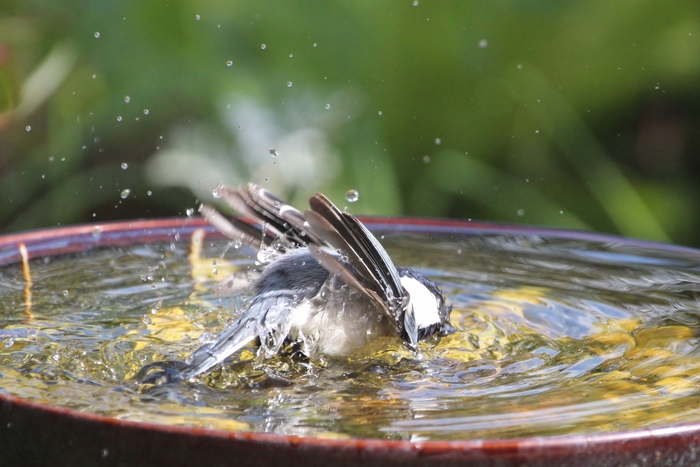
column 329, row 287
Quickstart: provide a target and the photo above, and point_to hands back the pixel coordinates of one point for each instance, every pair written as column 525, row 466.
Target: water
column 555, row 336
column 352, row 196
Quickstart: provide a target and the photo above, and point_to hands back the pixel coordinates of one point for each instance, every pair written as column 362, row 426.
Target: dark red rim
column 18, row 415
column 62, row 240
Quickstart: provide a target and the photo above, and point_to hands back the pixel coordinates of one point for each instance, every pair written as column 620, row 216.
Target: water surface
column 555, row 336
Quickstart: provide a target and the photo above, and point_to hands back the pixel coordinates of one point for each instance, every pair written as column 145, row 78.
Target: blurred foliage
column 570, row 114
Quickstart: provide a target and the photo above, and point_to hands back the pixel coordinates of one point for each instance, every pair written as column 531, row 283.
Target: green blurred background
column 577, row 114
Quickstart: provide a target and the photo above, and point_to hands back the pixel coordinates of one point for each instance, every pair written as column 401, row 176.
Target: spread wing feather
column 235, row 229
column 371, row 265
column 277, row 221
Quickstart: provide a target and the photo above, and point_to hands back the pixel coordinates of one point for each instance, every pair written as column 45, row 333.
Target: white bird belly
column 338, row 328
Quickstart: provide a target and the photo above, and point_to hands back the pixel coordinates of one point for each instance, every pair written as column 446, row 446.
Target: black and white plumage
column 329, row 288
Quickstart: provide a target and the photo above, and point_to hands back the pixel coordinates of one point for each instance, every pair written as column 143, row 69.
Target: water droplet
column 291, row 55
column 94, row 76
column 228, row 106
column 65, row 292
column 289, row 84
column 328, row 107
column 415, row 2
column 125, row 166
column 97, row 35
column 190, row 212
column 28, row 128
column 8, row 342
column 263, row 46
column 145, row 111
column 229, row 63
column 426, row 159
column 197, row 17
column 119, row 118
column 379, row 113
column 97, row 231
column 438, row 141
column 351, row 196
column 520, row 66
column 127, row 99
column 521, row 212
column 483, row 43
column 273, row 152
column 315, row 44
column 125, row 193
column 149, row 193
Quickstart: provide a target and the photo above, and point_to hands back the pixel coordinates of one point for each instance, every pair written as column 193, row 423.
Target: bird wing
column 364, row 264
column 267, row 317
column 274, row 221
column 236, row 229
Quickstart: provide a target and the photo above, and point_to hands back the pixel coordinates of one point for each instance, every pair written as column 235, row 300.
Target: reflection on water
column 555, row 336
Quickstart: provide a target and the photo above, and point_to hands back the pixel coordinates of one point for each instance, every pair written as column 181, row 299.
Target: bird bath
column 572, row 349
